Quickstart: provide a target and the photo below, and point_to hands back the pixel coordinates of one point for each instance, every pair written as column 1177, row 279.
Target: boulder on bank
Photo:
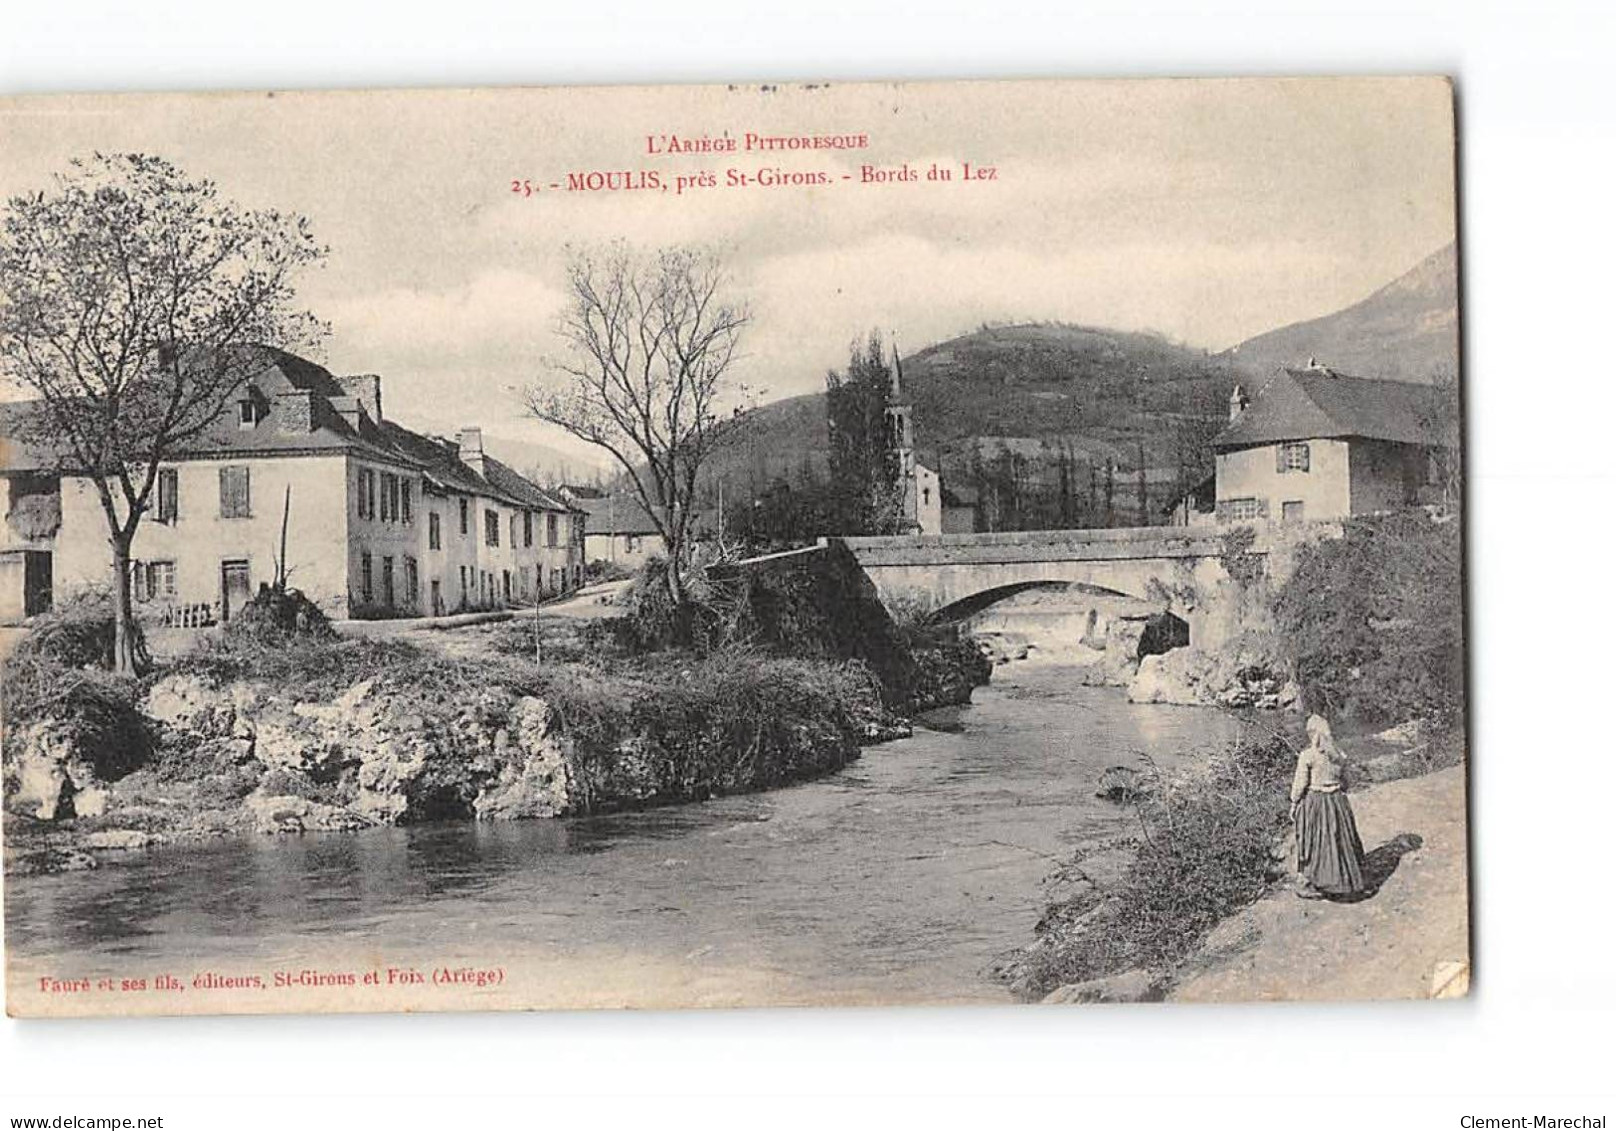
column 285, row 813
column 383, row 754
column 535, row 781
column 45, row 769
column 1002, row 647
column 120, row 839
column 1172, row 677
column 1128, row 986
column 1249, row 672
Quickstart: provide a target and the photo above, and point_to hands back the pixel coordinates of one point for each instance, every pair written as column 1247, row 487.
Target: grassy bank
column 1202, row 849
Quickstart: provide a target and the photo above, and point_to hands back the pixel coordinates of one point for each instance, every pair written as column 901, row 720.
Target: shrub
column 602, row 569
column 96, row 709
column 77, row 632
column 302, row 667
column 652, row 621
column 727, row 723
column 287, row 783
column 1374, row 621
column 274, row 616
column 1203, row 852
column 225, row 787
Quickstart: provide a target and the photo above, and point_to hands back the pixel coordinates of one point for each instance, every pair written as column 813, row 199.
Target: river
column 898, row 879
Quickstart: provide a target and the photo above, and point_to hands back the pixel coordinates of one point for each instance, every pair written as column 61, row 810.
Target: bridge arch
column 964, row 608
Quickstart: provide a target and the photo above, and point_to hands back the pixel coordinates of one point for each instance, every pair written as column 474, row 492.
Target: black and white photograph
column 765, row 545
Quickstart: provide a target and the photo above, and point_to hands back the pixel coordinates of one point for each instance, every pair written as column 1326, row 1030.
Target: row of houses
column 376, row 520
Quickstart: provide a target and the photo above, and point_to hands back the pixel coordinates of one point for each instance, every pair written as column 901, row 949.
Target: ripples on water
column 901, row 876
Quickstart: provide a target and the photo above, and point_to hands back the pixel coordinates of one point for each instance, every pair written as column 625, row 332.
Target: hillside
column 1037, row 391
column 1408, row 330
column 1030, row 416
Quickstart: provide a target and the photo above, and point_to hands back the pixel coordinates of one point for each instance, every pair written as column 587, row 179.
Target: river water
column 899, row 879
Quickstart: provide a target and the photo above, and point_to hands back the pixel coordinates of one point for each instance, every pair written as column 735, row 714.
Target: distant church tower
column 921, row 488
column 900, row 425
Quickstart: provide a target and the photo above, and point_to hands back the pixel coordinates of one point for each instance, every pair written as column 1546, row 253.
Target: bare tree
column 651, row 340
column 126, row 295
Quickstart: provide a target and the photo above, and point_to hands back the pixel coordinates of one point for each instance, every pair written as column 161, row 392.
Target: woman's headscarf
column 1318, row 731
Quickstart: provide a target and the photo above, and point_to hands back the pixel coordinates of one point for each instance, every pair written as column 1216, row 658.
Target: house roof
column 1319, row 403
column 522, row 489
column 281, row 384
column 616, row 514
column 20, row 445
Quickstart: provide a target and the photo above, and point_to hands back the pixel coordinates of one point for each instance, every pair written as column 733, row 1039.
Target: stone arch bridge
column 970, row 570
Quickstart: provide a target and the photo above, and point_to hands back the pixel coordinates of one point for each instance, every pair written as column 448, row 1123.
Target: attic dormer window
column 247, row 414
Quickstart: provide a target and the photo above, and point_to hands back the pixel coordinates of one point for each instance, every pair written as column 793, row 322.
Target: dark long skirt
column 1329, row 854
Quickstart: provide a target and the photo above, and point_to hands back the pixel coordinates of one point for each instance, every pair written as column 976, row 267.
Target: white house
column 379, row 521
column 617, row 531
column 1317, row 444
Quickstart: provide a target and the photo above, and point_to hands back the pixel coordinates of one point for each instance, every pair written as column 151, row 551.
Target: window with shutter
column 434, row 531
column 407, row 511
column 235, row 492
column 168, row 494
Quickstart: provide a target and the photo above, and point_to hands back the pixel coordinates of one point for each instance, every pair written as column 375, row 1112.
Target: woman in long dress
column 1329, row 855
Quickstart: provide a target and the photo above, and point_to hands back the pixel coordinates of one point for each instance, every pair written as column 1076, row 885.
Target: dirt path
column 1401, row 942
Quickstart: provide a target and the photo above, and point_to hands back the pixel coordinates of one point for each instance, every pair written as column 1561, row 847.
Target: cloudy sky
column 1205, row 210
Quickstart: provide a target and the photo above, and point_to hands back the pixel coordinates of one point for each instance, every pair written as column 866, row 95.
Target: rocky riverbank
column 349, row 734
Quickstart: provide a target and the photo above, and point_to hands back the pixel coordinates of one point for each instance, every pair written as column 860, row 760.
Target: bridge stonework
column 947, row 568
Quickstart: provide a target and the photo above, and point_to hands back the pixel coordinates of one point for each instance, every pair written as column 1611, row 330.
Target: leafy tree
column 126, row 294
column 1375, row 622
column 651, row 341
column 1444, row 421
column 863, row 488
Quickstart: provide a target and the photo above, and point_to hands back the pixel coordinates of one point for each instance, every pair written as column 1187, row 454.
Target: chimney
column 1237, row 402
column 294, row 411
column 471, row 448
column 367, row 390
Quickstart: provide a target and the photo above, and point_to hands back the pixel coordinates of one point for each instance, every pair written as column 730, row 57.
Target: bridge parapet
column 1114, row 544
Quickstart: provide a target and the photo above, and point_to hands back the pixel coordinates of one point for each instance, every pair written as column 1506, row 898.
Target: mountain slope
column 1406, row 331
column 1100, row 391
column 1031, row 415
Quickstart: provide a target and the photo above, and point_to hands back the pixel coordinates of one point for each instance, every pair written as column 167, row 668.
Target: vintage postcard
column 732, row 546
